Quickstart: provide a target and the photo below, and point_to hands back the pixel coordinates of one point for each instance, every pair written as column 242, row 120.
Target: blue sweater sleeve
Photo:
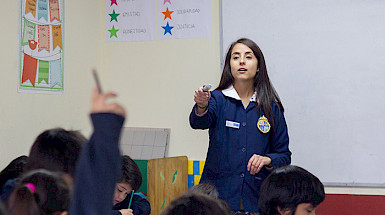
column 279, row 148
column 140, row 206
column 208, row 119
column 98, row 168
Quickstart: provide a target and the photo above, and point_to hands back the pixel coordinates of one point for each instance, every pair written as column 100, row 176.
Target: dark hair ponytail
column 22, row 201
column 40, row 193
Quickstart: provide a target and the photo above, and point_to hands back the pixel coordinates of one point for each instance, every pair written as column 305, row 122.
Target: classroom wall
column 25, row 115
column 155, row 81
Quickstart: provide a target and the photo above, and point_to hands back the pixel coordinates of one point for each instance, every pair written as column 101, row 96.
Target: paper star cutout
column 114, row 16
column 167, row 29
column 166, row 1
column 114, row 2
column 113, row 32
column 167, row 14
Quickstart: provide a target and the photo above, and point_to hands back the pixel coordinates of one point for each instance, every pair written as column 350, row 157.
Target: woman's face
column 243, row 63
column 121, row 192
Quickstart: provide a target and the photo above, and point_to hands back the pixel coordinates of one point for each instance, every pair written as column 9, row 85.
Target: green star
column 113, row 31
column 114, row 16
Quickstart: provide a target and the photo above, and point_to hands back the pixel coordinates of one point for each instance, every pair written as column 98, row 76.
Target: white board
column 326, row 59
column 144, row 143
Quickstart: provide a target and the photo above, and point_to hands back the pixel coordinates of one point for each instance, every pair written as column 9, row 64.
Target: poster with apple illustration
column 41, row 46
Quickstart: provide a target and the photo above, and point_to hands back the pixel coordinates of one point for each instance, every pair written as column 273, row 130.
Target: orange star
column 167, row 14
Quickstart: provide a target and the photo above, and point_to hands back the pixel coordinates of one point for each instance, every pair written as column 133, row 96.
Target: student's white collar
column 232, row 93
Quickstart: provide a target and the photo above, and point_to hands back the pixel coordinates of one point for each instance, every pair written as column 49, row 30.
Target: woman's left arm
column 279, row 152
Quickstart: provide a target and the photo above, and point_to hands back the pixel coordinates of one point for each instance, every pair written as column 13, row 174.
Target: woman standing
column 247, row 128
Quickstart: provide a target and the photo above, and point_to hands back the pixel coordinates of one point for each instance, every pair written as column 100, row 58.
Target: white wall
column 156, row 82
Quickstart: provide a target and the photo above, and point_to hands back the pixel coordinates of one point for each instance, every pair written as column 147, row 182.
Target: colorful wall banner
column 43, row 34
column 41, row 46
column 130, row 20
column 42, row 9
column 56, row 76
column 29, row 31
column 43, row 71
column 56, row 34
column 54, row 10
column 180, row 19
column 30, row 7
column 29, row 69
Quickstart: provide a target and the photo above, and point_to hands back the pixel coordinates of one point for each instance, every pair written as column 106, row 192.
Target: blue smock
column 232, row 145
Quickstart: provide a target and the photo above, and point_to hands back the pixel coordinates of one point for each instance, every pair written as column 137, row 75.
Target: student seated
column 12, row 170
column 290, row 190
column 129, row 182
column 191, row 203
column 40, row 192
column 56, row 150
column 205, row 188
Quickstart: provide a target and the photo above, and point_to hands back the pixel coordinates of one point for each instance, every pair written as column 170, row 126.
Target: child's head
column 13, row 170
column 290, row 190
column 205, row 188
column 56, row 150
column 196, row 203
column 130, row 179
column 40, row 192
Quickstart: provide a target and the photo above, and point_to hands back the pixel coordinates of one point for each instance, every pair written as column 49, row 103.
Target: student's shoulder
column 138, row 197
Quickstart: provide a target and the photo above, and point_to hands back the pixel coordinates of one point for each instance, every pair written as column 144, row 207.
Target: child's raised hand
column 100, row 104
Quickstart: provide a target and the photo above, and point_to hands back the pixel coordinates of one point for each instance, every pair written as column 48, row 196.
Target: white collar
column 232, row 93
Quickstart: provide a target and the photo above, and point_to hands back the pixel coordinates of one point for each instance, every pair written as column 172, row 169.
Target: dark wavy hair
column 205, row 188
column 266, row 94
column 287, row 187
column 130, row 173
column 13, row 170
column 56, row 150
column 51, row 195
column 196, row 203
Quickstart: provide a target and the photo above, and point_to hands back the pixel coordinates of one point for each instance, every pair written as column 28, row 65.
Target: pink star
column 166, row 1
column 114, row 2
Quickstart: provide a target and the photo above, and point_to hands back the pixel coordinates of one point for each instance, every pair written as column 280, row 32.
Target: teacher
column 247, row 128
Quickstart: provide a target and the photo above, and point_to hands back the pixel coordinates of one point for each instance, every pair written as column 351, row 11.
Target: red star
column 167, row 14
column 113, row 2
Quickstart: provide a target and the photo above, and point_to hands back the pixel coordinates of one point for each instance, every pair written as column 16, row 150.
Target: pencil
column 129, row 205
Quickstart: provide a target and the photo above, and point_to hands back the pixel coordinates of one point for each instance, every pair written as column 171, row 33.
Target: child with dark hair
column 205, row 188
column 290, row 190
column 56, row 150
column 196, row 203
column 40, row 192
column 129, row 181
column 13, row 170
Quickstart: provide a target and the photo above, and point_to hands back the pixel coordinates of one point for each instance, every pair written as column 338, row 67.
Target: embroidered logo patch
column 263, row 124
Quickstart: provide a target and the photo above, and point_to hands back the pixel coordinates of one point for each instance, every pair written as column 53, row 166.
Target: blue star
column 167, row 29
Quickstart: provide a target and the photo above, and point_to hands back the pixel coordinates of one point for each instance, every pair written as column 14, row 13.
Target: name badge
column 232, row 124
